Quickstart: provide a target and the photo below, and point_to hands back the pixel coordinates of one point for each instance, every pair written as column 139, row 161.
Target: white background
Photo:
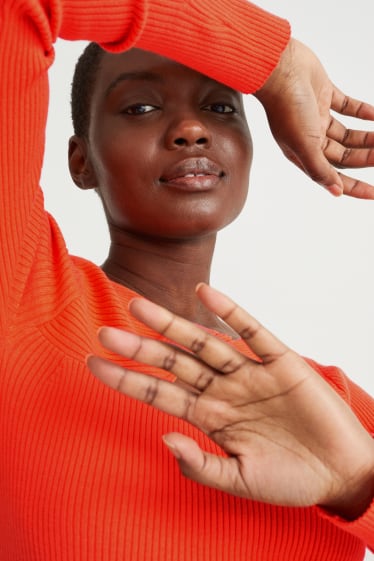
column 298, row 259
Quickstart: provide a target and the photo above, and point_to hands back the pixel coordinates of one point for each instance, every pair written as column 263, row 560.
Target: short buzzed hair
column 83, row 84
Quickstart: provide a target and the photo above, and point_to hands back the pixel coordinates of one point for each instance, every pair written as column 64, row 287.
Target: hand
column 297, row 98
column 290, row 439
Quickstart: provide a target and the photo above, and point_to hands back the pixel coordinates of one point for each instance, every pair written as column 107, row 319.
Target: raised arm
column 29, row 239
column 231, row 40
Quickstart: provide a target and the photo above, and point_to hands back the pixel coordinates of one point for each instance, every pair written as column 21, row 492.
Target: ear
column 80, row 166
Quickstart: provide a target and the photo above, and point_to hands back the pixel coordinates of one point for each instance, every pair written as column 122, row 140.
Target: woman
column 79, row 478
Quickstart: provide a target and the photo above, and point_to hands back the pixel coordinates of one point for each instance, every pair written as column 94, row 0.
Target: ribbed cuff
column 115, row 24
column 232, row 41
column 362, row 527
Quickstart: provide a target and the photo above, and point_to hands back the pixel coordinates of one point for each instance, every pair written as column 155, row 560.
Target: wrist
column 355, row 498
column 276, row 79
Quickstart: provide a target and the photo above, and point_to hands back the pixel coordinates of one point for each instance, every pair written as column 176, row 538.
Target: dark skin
column 169, row 151
column 290, row 439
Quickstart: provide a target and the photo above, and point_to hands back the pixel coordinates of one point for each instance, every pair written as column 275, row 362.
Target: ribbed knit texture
column 84, row 475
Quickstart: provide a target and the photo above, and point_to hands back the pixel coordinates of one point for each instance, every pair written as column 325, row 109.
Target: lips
column 193, row 174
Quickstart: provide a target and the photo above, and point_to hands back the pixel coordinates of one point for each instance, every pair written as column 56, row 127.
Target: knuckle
column 359, row 108
column 189, row 407
column 345, row 156
column 269, row 358
column 332, row 121
column 346, row 136
column 230, row 366
column 168, row 326
column 365, row 141
column 198, row 344
column 226, row 317
column 203, row 380
column 356, row 183
column 248, row 332
column 121, row 382
column 326, row 144
column 369, row 156
column 345, row 104
column 169, row 361
column 151, row 392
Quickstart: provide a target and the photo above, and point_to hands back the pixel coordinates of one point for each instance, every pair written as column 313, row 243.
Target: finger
column 322, row 172
column 208, row 469
column 356, row 188
column 348, row 137
column 161, row 355
column 167, row 397
column 346, row 105
column 259, row 339
column 343, row 157
column 318, row 168
column 214, row 352
column 308, row 156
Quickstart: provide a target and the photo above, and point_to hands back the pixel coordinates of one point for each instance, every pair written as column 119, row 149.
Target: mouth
column 193, row 174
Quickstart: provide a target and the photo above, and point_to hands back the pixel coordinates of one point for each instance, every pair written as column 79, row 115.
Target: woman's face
column 170, row 149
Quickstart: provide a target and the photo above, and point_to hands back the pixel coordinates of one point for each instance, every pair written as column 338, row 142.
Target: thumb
column 319, row 169
column 328, row 178
column 208, row 469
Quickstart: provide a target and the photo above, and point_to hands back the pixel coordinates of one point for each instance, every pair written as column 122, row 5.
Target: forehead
column 137, row 64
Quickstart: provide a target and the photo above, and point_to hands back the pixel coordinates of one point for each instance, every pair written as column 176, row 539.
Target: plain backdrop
column 298, row 259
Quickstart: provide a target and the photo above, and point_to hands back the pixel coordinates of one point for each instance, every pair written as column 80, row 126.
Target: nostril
column 182, row 141
column 179, row 141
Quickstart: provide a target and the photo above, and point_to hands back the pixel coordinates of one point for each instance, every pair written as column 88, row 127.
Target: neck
column 166, row 272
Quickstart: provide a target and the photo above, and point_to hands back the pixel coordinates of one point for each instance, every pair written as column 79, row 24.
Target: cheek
column 246, row 152
column 238, row 156
column 122, row 161
column 125, row 175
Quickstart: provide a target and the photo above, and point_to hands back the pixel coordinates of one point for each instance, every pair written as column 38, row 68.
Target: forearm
column 240, row 46
column 233, row 41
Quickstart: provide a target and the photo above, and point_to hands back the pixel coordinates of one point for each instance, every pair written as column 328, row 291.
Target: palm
column 261, row 415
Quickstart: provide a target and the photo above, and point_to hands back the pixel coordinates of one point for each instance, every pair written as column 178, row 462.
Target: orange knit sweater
column 83, row 473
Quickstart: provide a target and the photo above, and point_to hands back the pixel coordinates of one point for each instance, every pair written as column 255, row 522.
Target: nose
column 187, row 133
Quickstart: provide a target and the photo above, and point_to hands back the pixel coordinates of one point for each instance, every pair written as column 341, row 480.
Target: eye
column 220, row 108
column 139, row 109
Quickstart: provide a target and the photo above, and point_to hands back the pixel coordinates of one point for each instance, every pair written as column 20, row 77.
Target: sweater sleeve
column 362, row 405
column 362, row 528
column 231, row 40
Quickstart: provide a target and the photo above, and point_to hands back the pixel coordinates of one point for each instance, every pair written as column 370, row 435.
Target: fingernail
column 198, row 286
column 172, row 448
column 87, row 357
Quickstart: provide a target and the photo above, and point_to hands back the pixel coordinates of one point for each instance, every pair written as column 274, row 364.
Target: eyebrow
column 127, row 76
